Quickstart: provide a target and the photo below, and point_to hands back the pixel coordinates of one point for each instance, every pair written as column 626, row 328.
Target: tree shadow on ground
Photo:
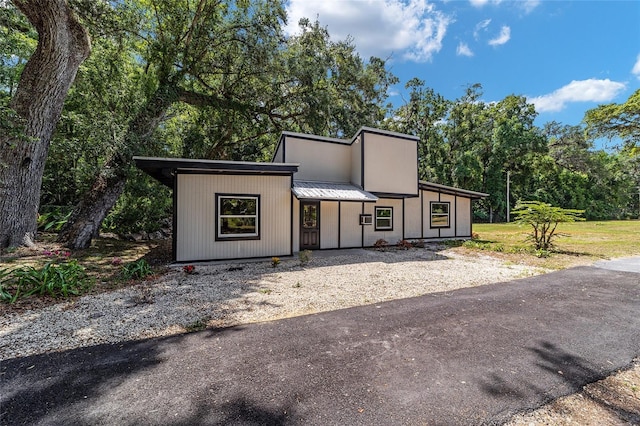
column 561, row 373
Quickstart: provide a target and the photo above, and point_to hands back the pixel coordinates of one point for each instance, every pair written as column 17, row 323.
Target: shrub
column 275, row 261
column 53, row 279
column 404, row 245
column 544, row 219
column 418, row 243
column 305, row 257
column 381, row 244
column 189, row 269
column 137, row 270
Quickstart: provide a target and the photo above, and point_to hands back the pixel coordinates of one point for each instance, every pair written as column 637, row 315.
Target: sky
column 566, row 57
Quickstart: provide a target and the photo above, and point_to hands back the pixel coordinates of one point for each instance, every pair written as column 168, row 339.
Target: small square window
column 384, row 218
column 440, row 214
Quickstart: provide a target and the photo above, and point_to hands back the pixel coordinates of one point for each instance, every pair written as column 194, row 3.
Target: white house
column 317, row 193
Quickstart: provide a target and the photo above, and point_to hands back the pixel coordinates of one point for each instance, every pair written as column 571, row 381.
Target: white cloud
column 505, row 36
column 414, row 29
column 636, row 68
column 529, row 5
column 481, row 27
column 591, row 90
column 478, row 3
column 464, row 50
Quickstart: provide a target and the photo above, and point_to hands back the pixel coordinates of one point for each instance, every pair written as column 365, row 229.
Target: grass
column 581, row 242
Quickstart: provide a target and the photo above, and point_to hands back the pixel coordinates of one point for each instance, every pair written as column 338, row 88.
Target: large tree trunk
column 86, row 219
column 62, row 46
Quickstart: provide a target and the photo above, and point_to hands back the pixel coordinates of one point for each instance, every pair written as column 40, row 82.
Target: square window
column 237, row 217
column 384, row 218
column 440, row 214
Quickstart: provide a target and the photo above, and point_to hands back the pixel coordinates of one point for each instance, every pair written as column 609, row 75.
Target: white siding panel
column 196, row 216
column 392, row 236
column 329, row 224
column 350, row 228
column 463, row 217
column 319, row 161
column 296, row 225
column 412, row 218
column 356, row 162
column 427, row 198
column 451, row 231
column 390, row 164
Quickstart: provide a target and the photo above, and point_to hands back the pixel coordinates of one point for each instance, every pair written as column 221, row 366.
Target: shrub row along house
column 317, row 193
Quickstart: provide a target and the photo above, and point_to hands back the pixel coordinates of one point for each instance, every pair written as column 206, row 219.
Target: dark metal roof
column 163, row 169
column 430, row 186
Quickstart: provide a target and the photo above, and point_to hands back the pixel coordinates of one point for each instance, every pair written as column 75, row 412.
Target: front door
column 309, row 225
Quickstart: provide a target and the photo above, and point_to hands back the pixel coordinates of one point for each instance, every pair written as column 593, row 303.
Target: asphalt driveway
column 471, row 356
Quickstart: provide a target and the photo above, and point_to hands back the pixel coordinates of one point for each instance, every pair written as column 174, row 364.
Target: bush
column 305, row 257
column 381, row 244
column 404, row 245
column 54, row 279
column 137, row 270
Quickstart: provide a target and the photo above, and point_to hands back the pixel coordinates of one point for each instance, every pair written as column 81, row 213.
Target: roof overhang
column 164, row 169
column 436, row 187
column 329, row 191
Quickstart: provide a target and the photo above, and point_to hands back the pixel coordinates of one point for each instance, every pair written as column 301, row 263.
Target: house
column 317, row 193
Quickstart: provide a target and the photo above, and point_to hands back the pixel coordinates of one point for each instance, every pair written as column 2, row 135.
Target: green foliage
column 142, row 207
column 305, row 257
column 544, row 219
column 136, row 270
column 52, row 219
column 617, row 121
column 54, row 279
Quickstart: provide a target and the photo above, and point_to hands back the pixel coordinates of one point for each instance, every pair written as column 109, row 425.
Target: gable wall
column 319, row 161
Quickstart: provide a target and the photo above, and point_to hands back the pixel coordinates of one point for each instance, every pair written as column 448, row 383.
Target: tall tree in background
column 617, row 121
column 63, row 43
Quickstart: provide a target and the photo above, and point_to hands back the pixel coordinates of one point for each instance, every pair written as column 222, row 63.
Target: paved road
column 472, row 356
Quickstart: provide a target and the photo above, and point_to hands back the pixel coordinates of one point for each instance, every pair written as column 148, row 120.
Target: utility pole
column 508, row 183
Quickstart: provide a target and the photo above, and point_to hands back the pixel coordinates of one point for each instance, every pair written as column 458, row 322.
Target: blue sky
column 566, row 57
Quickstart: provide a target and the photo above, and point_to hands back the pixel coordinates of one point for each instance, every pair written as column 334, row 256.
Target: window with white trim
column 384, row 218
column 440, row 214
column 238, row 217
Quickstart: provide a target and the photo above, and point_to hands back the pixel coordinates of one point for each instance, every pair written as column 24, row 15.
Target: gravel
column 232, row 293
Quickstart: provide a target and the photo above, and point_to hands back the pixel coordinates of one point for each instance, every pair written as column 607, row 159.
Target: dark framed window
column 440, row 214
column 384, row 218
column 237, row 217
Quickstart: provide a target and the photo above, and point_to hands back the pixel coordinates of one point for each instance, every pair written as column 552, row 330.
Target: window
column 439, row 215
column 384, row 218
column 237, row 217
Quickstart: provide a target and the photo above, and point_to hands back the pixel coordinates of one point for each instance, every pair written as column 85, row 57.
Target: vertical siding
column 390, row 164
column 329, row 224
column 427, row 198
column 278, row 157
column 412, row 218
column 196, row 221
column 296, row 224
column 356, row 162
column 319, row 161
column 350, row 228
column 451, row 231
column 463, row 217
column 393, row 236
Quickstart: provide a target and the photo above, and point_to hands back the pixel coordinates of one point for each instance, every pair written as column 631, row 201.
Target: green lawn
column 581, row 243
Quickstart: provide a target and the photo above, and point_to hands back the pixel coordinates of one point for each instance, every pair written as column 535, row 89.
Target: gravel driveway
column 225, row 294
